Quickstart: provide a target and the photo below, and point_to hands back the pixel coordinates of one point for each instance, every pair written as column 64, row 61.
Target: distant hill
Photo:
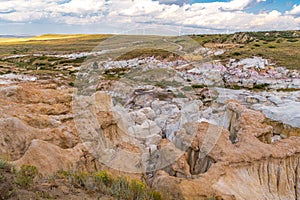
column 15, row 36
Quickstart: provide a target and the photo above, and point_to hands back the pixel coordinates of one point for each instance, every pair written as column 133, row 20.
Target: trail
column 180, row 47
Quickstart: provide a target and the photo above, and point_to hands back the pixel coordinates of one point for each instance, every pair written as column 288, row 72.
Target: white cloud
column 295, row 11
column 239, row 4
column 178, row 2
column 127, row 14
column 79, row 6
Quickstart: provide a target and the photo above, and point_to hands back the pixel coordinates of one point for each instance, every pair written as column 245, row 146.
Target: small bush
column 199, row 86
column 63, row 174
column 4, row 165
column 292, row 40
column 260, row 54
column 26, row 176
column 119, row 187
column 137, row 189
column 237, row 54
column 71, row 84
column 78, row 179
column 123, row 188
column 260, row 86
column 103, row 178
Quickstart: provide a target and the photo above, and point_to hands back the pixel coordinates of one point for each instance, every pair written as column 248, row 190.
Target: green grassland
column 50, row 43
column 283, row 48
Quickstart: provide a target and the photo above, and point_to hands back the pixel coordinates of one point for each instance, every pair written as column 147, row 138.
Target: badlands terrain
column 150, row 117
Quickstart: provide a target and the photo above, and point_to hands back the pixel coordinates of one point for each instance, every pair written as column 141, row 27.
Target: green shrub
column 124, row 188
column 154, row 195
column 71, row 84
column 137, row 189
column 237, row 53
column 103, row 177
column 4, row 165
column 165, row 84
column 63, row 174
column 78, row 179
column 199, row 86
column 269, row 39
column 26, row 176
column 120, row 188
column 292, row 40
column 260, row 86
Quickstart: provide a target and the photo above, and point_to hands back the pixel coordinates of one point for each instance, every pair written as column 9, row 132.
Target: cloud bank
column 120, row 14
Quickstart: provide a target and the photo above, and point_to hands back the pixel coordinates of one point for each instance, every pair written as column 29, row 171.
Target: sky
column 169, row 17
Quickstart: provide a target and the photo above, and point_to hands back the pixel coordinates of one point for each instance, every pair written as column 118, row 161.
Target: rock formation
column 251, row 168
column 37, row 128
column 153, row 130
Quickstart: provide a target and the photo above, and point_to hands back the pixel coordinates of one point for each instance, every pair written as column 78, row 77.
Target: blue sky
column 149, row 16
column 280, row 5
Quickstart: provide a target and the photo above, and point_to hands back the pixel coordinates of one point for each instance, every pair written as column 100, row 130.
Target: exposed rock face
column 50, row 158
column 37, row 128
column 264, row 179
column 198, row 160
column 286, row 113
column 251, row 168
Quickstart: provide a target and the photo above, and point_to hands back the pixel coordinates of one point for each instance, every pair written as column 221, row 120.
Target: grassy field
column 282, row 47
column 50, row 43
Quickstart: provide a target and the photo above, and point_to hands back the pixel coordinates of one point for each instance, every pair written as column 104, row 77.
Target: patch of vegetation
column 72, row 84
column 261, row 86
column 120, row 187
column 199, row 86
column 115, row 73
column 165, row 84
column 234, row 87
column 292, row 40
column 72, row 61
column 237, row 53
column 287, row 90
column 284, row 50
column 187, row 88
column 5, row 165
column 180, row 95
column 15, row 184
column 7, row 173
column 143, row 53
column 26, row 176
